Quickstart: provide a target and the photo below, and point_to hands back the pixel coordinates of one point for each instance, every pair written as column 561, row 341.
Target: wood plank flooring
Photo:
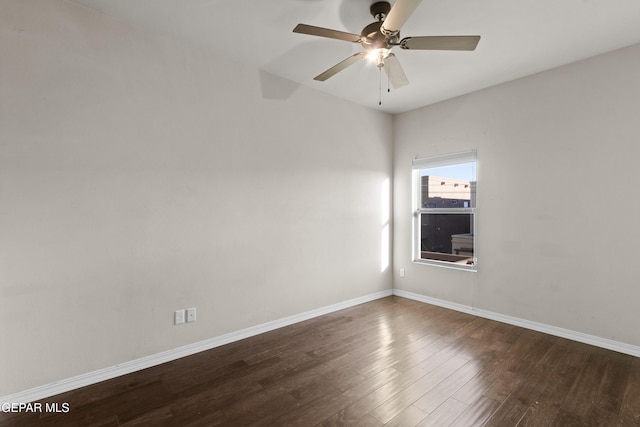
column 392, row 362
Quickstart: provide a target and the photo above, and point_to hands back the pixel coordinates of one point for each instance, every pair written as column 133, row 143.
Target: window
column 444, row 212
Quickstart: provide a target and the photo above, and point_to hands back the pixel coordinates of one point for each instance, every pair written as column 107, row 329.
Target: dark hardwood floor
column 393, row 362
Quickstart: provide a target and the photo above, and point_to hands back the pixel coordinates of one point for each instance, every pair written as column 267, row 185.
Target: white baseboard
column 620, row 347
column 48, row 390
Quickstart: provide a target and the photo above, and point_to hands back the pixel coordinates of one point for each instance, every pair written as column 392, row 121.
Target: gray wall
column 557, row 177
column 139, row 176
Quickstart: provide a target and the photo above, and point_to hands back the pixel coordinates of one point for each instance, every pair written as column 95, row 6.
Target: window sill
column 454, row 262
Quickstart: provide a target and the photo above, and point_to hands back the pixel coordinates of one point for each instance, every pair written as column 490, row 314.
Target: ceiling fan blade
column 440, row 42
column 340, row 66
column 326, row 32
column 398, row 15
column 394, row 71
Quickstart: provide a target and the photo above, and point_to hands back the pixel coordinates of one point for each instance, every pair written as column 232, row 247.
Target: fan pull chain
column 379, row 85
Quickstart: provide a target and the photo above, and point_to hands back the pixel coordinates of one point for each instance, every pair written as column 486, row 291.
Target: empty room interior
column 177, row 191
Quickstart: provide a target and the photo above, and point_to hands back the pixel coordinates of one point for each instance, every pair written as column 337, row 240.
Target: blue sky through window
column 462, row 171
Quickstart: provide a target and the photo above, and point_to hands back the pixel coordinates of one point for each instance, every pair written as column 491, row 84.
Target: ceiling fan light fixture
column 378, row 55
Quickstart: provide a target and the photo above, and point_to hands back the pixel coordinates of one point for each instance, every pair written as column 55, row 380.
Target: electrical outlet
column 179, row 317
column 402, row 273
column 191, row 314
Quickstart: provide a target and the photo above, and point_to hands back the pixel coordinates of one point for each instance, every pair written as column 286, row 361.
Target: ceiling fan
column 381, row 36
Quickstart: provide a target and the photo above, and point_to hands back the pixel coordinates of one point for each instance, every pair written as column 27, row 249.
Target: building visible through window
column 445, row 210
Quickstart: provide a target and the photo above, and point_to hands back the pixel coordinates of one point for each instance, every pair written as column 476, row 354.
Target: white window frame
column 430, row 162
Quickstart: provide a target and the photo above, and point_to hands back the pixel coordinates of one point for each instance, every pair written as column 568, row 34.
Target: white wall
column 139, row 176
column 557, row 176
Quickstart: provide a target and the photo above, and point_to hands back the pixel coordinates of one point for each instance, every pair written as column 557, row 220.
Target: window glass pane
column 450, row 234
column 448, row 186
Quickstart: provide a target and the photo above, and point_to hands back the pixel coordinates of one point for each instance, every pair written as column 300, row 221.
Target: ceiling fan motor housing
column 374, row 37
column 372, row 32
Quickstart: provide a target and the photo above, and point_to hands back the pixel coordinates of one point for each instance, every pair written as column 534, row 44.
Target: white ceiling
column 519, row 38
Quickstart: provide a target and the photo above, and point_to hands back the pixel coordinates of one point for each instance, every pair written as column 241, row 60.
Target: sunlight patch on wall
column 385, row 233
